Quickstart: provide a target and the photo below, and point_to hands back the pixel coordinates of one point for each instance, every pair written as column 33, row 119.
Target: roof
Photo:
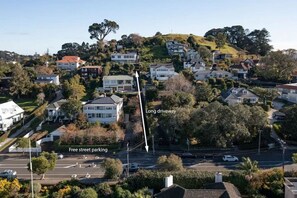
column 242, row 65
column 89, row 66
column 70, row 59
column 215, row 190
column 47, row 75
column 130, row 53
column 106, row 100
column 235, row 93
column 57, row 104
column 168, row 65
column 9, row 109
column 292, row 86
column 118, row 77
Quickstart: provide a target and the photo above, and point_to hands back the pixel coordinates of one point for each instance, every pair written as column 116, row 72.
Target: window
column 89, row 115
column 91, row 108
column 108, row 108
column 108, row 115
column 99, row 108
column 128, row 81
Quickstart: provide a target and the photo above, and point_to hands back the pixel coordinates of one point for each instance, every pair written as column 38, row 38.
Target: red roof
column 71, row 59
column 292, row 86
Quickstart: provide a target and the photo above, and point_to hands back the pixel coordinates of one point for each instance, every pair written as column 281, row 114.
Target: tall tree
column 220, row 40
column 100, row 30
column 73, row 89
column 248, row 167
column 258, row 42
column 20, row 83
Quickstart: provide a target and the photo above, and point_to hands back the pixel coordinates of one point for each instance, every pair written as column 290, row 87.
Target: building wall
column 5, row 124
column 68, row 66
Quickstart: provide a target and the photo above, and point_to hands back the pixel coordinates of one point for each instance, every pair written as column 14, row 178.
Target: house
column 194, row 61
column 10, row 113
column 241, row 70
column 104, row 109
column 214, row 190
column 176, row 48
column 162, row 71
column 47, row 79
column 56, row 134
column 206, row 74
column 290, row 187
column 223, row 56
column 54, row 111
column 118, row 83
column 90, row 71
column 288, row 92
column 239, row 95
column 124, row 58
column 70, row 63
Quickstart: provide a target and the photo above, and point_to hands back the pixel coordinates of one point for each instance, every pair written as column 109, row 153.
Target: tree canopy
column 100, row 30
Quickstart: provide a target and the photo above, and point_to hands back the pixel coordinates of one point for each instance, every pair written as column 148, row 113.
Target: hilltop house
column 47, row 79
column 206, row 74
column 54, row 111
column 124, row 58
column 194, row 61
column 176, row 48
column 90, row 71
column 104, row 109
column 70, row 63
column 239, row 95
column 162, row 71
column 118, row 83
column 288, row 92
column 10, row 113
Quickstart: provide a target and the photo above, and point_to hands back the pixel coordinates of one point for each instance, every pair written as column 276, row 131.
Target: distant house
column 223, row 56
column 54, row 111
column 104, row 109
column 124, row 58
column 288, row 92
column 176, row 48
column 162, row 71
column 10, row 113
column 239, row 95
column 206, row 74
column 47, row 79
column 193, row 61
column 56, row 134
column 118, row 83
column 70, row 63
column 241, row 70
column 90, row 71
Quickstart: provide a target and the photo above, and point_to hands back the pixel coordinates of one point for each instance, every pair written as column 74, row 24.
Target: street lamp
column 128, row 159
column 283, row 143
column 31, row 169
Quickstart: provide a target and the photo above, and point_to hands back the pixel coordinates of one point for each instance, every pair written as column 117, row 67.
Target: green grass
column 28, row 104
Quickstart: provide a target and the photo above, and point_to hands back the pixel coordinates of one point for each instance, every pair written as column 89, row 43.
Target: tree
column 51, row 158
column 220, row 40
column 17, row 88
column 88, row 193
column 248, row 167
column 71, row 108
column 45, row 162
column 23, row 143
column 9, row 188
column 104, row 190
column 40, row 98
column 100, row 30
column 179, row 83
column 73, row 89
column 289, row 125
column 205, row 53
column 204, row 92
column 113, row 168
column 178, row 99
column 294, row 158
column 258, row 42
column 170, row 163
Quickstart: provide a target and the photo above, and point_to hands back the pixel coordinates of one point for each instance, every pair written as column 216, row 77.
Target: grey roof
column 57, row 104
column 235, row 93
column 118, row 77
column 47, row 75
column 106, row 100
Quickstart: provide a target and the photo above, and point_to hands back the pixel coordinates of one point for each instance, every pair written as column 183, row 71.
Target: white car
column 60, row 156
column 230, row 158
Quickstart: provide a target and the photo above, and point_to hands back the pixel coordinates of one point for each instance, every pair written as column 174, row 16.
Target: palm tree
column 248, row 167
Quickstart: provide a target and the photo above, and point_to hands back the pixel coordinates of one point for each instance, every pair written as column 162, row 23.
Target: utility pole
column 31, row 169
column 259, row 146
column 128, row 159
column 153, row 142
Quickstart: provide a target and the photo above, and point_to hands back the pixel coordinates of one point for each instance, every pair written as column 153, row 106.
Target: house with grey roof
column 239, row 95
column 47, row 79
column 104, row 109
column 54, row 111
column 162, row 71
column 118, row 83
column 206, row 74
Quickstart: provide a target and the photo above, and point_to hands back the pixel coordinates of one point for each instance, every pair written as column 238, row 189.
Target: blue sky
column 29, row 26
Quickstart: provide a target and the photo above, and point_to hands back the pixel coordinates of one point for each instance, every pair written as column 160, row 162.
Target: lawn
column 28, row 104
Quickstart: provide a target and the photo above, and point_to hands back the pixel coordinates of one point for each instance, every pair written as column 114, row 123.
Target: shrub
column 88, row 193
column 170, row 163
column 103, row 190
column 113, row 168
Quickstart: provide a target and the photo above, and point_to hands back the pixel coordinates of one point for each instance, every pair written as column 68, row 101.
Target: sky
column 29, row 26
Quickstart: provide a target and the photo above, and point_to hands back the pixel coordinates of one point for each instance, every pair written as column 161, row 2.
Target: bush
column 265, row 107
column 104, row 190
column 36, row 187
column 88, row 193
column 113, row 168
column 170, row 163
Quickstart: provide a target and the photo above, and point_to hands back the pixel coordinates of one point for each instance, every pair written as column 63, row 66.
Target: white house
column 206, row 74
column 54, row 111
column 47, row 79
column 118, row 83
column 162, row 71
column 124, row 58
column 288, row 92
column 10, row 113
column 104, row 109
column 240, row 70
column 239, row 95
column 194, row 66
column 70, row 63
column 56, row 134
column 176, row 48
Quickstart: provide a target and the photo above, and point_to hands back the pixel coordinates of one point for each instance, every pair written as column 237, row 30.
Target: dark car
column 187, row 155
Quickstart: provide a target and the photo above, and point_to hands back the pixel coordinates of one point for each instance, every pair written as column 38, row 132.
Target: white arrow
column 141, row 110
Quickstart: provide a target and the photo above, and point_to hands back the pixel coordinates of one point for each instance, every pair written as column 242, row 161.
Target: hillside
column 202, row 41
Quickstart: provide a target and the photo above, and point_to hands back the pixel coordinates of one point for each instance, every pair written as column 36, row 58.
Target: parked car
column 8, row 174
column 230, row 158
column 133, row 167
column 60, row 156
column 187, row 155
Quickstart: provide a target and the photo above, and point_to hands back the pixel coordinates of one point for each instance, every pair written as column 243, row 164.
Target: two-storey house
column 104, row 109
column 162, row 71
column 206, row 74
column 90, row 71
column 54, row 111
column 47, row 79
column 70, row 63
column 118, row 83
column 239, row 95
column 124, row 58
column 10, row 113
column 288, row 92
column 176, row 48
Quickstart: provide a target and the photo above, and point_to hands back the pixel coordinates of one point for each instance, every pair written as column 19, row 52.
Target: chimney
column 168, row 181
column 218, row 177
